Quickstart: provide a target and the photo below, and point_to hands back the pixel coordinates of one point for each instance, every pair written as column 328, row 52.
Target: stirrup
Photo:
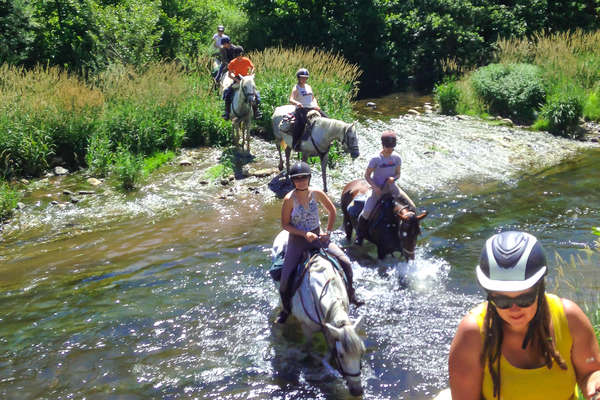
column 358, row 241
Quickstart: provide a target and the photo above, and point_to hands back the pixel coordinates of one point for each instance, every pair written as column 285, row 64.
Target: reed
column 333, row 79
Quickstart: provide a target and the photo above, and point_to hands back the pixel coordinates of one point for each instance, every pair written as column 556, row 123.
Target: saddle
column 303, row 267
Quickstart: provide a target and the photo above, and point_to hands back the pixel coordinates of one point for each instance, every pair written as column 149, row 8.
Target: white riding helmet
column 511, row 262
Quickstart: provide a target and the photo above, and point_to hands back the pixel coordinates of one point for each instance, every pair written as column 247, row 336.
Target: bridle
column 346, row 140
column 321, row 323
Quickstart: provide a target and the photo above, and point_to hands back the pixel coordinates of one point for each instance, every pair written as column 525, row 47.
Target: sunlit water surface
column 164, row 293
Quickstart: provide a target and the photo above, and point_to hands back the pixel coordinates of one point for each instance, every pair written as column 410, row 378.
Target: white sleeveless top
column 305, row 96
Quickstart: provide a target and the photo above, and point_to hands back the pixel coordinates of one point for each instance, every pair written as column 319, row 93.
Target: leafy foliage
column 563, row 113
column 8, row 200
column 513, row 90
column 447, row 96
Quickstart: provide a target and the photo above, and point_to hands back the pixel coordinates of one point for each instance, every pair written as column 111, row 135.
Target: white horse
column 324, row 132
column 321, row 304
column 241, row 111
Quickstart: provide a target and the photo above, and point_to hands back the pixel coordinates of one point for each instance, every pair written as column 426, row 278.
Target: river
column 164, row 293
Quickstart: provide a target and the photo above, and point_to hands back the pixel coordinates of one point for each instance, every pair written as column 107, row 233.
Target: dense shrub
column 514, row 90
column 127, row 168
column 563, row 113
column 8, row 200
column 447, row 96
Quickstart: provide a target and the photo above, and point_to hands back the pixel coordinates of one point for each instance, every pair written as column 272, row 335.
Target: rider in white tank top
column 305, row 96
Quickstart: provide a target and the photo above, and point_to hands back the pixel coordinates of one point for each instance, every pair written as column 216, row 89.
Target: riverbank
column 112, row 122
column 547, row 81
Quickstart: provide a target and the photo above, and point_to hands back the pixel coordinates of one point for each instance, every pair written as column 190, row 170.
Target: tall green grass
column 111, row 119
column 8, row 200
column 334, row 80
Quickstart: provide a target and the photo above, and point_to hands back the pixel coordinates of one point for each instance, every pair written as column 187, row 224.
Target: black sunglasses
column 521, row 301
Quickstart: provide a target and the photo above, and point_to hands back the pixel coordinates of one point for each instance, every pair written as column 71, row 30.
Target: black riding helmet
column 511, row 262
column 300, row 169
column 388, row 139
column 302, row 73
column 225, row 40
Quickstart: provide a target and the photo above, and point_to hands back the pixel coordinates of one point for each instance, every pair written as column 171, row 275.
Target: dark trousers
column 300, row 115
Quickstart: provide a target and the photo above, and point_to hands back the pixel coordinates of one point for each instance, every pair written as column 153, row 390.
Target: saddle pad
column 356, row 206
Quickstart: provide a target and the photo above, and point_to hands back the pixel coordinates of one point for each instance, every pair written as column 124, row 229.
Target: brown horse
column 392, row 226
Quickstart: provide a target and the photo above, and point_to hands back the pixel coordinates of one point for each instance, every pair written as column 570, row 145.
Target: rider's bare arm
column 464, row 365
column 368, row 178
column 293, row 98
column 585, row 353
column 329, row 207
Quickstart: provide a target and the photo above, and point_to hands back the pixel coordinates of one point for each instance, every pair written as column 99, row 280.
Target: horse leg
column 347, row 225
column 278, row 144
column 288, row 153
column 324, row 171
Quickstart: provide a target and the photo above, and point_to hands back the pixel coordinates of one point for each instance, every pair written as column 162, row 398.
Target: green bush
column 447, row 96
column 8, row 200
column 591, row 110
column 100, row 155
column 513, row 90
column 562, row 113
column 127, row 168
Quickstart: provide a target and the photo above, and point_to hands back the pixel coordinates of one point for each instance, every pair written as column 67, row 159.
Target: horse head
column 248, row 88
column 348, row 351
column 409, row 229
column 350, row 141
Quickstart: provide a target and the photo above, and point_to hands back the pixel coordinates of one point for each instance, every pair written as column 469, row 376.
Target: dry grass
column 44, row 89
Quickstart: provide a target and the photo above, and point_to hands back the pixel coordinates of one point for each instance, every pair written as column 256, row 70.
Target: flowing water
column 164, row 293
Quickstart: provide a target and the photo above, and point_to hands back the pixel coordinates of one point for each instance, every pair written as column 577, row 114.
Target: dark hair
column 538, row 333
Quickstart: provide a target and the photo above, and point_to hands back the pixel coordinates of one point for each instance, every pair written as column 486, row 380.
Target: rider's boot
column 287, row 306
column 225, row 115
column 352, row 296
column 361, row 230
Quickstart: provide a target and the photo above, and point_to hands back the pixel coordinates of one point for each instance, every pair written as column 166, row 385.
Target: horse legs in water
column 324, row 158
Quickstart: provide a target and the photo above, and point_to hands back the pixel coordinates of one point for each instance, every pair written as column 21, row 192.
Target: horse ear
column 421, row 216
column 337, row 333
column 357, row 324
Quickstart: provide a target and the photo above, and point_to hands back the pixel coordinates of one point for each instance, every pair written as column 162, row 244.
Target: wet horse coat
column 321, row 304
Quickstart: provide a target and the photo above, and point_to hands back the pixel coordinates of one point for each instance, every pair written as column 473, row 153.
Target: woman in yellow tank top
column 522, row 343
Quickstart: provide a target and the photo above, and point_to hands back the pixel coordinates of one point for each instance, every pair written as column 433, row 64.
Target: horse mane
column 329, row 123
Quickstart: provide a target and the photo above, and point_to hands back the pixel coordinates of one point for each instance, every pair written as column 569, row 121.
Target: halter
column 320, row 322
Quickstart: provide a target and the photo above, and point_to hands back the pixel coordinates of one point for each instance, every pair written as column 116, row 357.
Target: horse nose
column 356, row 391
column 354, row 154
